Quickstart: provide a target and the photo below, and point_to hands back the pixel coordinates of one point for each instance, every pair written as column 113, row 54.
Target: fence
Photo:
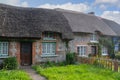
column 100, row 62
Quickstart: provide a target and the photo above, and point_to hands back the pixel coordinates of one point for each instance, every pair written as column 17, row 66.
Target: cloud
column 103, row 7
column 15, row 3
column 112, row 15
column 10, row 2
column 106, row 1
column 81, row 7
column 24, row 4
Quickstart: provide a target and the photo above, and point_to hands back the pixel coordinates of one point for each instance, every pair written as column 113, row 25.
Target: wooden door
column 94, row 50
column 26, row 53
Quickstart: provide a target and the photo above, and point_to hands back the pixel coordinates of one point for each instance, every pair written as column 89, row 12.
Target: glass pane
column 3, row 48
column 48, row 48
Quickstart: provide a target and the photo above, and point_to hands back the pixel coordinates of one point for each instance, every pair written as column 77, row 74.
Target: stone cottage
column 87, row 30
column 33, row 35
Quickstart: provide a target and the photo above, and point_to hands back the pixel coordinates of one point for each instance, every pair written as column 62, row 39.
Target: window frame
column 104, row 50
column 84, row 49
column 4, row 48
column 48, row 46
column 49, row 36
column 93, row 37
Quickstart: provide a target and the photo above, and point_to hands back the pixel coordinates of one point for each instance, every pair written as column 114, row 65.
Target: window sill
column 82, row 56
column 104, row 54
column 48, row 39
column 4, row 56
column 94, row 41
column 49, row 55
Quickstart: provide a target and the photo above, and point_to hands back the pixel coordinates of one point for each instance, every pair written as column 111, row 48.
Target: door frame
column 95, row 47
column 31, row 55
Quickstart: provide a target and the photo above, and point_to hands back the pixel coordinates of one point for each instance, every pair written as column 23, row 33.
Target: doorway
column 26, row 53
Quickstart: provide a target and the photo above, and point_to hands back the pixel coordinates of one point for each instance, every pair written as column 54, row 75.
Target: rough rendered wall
column 14, row 50
column 80, row 39
column 58, row 57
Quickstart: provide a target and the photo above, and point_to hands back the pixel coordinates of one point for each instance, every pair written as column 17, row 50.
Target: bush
column 112, row 56
column 117, row 55
column 1, row 65
column 10, row 63
column 49, row 64
column 70, row 58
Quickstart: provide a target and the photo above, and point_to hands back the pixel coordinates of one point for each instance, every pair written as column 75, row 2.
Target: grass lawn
column 13, row 75
column 77, row 72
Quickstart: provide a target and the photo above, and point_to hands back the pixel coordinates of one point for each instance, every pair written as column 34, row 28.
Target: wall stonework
column 14, row 50
column 80, row 39
column 58, row 57
column 37, row 57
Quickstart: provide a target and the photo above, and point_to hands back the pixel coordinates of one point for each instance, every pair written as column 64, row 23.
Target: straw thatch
column 31, row 22
column 86, row 23
column 113, row 25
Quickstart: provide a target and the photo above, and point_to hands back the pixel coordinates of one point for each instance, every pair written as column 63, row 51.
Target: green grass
column 13, row 75
column 77, row 72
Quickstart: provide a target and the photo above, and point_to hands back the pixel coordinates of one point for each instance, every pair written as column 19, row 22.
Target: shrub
column 117, row 55
column 61, row 63
column 10, row 63
column 90, row 55
column 49, row 64
column 1, row 65
column 112, row 56
column 70, row 58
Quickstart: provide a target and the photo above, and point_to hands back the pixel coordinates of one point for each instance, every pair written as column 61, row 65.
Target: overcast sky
column 109, row 9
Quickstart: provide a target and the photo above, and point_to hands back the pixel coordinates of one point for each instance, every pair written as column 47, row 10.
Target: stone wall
column 80, row 39
column 14, row 50
column 58, row 57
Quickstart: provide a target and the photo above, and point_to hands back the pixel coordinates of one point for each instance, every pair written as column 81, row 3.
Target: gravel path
column 32, row 73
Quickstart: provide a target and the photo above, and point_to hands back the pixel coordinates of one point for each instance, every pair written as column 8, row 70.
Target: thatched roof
column 87, row 23
column 113, row 25
column 31, row 22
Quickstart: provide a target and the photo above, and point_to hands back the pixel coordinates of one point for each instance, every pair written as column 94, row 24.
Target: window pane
column 78, row 50
column 49, row 35
column 3, row 48
column 81, row 50
column 48, row 48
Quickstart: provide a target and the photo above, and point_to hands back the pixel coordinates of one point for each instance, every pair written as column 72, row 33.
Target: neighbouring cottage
column 116, row 28
column 33, row 35
column 87, row 30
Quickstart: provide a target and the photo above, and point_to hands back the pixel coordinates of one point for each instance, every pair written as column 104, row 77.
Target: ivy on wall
column 107, row 43
column 104, row 42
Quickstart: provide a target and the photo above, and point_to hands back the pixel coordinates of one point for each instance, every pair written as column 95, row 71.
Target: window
column 81, row 50
column 48, row 48
column 49, row 35
column 104, row 51
column 116, row 47
column 94, row 50
column 93, row 38
column 3, row 48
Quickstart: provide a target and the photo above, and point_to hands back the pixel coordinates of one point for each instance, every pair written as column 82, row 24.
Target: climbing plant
column 99, row 48
column 107, row 43
column 104, row 42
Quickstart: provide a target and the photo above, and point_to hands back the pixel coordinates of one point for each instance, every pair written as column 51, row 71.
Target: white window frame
column 48, row 48
column 93, row 38
column 4, row 48
column 49, row 36
column 104, row 51
column 82, row 50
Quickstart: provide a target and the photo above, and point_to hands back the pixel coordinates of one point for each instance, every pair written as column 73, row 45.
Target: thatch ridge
column 31, row 22
column 113, row 25
column 87, row 23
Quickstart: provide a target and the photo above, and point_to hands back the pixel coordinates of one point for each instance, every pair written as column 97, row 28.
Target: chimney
column 92, row 13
